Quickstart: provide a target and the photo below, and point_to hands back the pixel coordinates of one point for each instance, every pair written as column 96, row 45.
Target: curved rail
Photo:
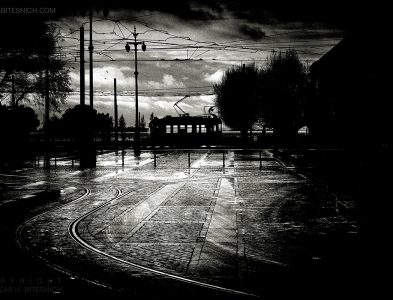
column 47, row 262
column 73, row 231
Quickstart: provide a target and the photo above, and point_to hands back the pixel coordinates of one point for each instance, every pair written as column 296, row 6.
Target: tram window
column 175, row 129
column 182, row 127
column 214, row 128
column 168, row 128
column 198, row 128
column 203, row 128
column 189, row 128
column 219, row 127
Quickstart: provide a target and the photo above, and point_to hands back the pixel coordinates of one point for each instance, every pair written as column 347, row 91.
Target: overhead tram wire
column 151, row 28
column 205, row 43
column 163, row 89
column 206, row 49
column 163, row 92
column 184, row 37
column 185, row 60
column 189, row 44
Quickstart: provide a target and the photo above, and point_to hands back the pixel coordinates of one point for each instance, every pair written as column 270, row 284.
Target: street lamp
column 105, row 11
column 137, row 142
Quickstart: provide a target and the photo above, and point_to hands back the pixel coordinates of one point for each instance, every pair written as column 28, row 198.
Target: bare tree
column 27, row 62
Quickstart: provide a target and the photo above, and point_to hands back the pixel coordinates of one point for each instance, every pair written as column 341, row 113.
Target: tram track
column 24, row 247
column 74, row 234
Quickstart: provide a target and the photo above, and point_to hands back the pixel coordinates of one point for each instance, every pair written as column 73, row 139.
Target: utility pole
column 91, row 55
column 116, row 123
column 87, row 146
column 137, row 146
column 137, row 141
column 106, row 13
column 82, row 65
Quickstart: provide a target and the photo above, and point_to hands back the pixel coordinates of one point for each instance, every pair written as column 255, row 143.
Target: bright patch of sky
column 182, row 57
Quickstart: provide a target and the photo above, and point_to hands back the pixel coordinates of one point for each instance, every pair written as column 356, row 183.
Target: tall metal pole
column 82, row 65
column 91, row 55
column 116, row 122
column 137, row 146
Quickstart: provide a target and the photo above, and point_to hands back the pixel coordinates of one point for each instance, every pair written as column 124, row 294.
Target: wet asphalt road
column 238, row 224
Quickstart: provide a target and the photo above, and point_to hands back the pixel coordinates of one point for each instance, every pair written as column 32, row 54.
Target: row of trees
column 28, row 55
column 16, row 123
column 274, row 96
column 30, row 70
column 81, row 122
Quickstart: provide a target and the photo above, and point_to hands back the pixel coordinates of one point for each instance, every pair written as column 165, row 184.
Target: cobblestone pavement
column 237, row 220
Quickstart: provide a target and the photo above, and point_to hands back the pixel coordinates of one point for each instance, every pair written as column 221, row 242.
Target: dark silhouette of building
column 353, row 90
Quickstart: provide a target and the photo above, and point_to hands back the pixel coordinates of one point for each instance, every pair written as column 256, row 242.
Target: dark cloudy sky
column 189, row 44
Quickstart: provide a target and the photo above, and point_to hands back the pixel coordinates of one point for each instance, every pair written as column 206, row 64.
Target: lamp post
column 86, row 144
column 91, row 55
column 137, row 142
column 91, row 47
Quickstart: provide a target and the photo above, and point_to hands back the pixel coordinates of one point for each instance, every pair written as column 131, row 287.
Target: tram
column 186, row 130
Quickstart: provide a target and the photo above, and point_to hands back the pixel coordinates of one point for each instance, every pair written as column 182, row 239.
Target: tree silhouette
column 142, row 123
column 22, row 46
column 27, row 59
column 82, row 121
column 56, row 127
column 16, row 123
column 122, row 127
column 285, row 89
column 104, row 125
column 238, row 96
column 79, row 122
column 22, row 85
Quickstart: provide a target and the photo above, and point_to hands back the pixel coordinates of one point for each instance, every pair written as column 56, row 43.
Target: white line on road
column 134, row 218
column 72, row 229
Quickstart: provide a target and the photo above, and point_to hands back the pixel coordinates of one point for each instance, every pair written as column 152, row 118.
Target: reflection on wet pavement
column 218, row 222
